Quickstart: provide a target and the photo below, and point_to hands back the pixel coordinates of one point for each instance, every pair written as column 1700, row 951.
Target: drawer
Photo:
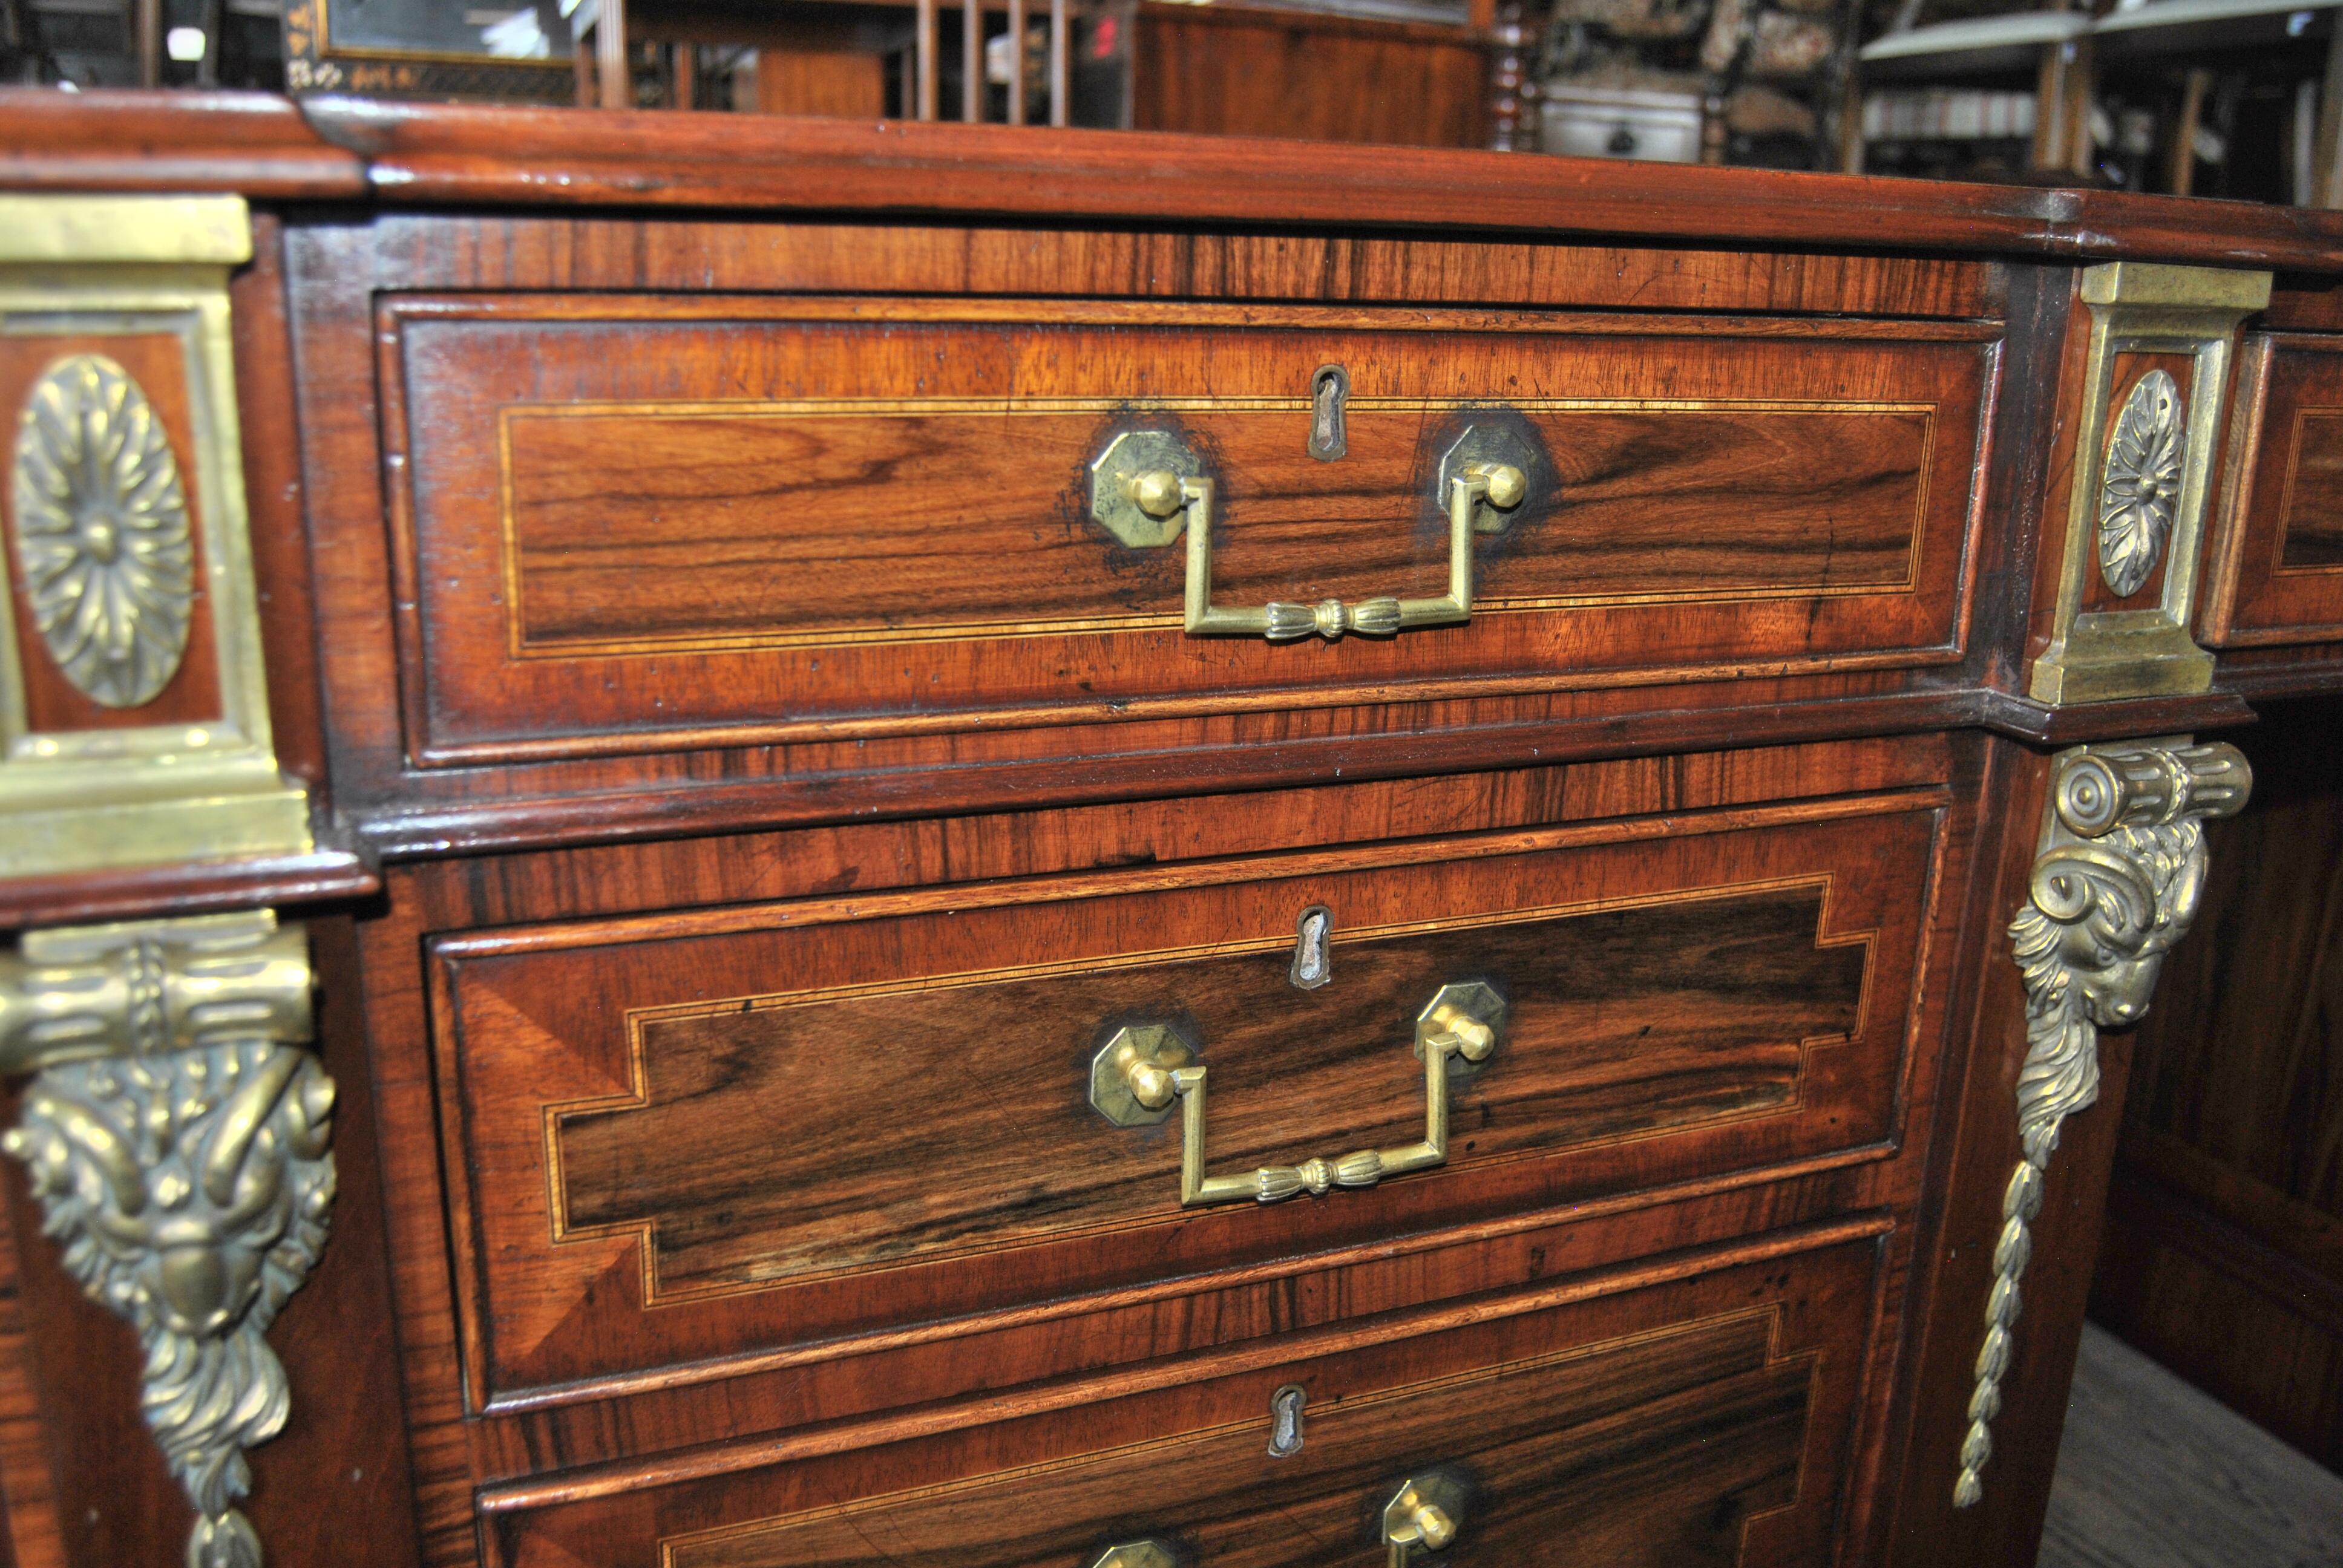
column 634, row 524
column 2276, row 572
column 1704, row 1420
column 678, row 1142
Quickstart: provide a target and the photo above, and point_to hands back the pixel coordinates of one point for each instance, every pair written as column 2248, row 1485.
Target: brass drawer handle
column 1423, row 1516
column 1147, row 503
column 1144, row 1066
column 1149, row 1554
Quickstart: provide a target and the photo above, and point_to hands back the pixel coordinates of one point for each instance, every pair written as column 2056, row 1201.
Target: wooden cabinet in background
column 1262, row 71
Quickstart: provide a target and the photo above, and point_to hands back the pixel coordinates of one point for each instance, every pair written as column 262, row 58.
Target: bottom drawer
column 1687, row 1410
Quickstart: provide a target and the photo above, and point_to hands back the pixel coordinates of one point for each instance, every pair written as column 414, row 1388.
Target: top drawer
column 636, row 524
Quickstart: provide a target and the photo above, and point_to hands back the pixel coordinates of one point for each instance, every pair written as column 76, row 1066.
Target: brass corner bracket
column 176, row 1133
column 2142, row 471
column 2116, row 881
column 122, row 472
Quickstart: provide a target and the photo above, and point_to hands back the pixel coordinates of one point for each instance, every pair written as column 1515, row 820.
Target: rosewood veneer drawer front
column 2278, row 563
column 641, row 523
column 1708, row 1419
column 677, row 1139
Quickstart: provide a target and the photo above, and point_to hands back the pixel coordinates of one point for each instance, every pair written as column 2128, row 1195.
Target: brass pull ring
column 1143, row 1067
column 1164, row 496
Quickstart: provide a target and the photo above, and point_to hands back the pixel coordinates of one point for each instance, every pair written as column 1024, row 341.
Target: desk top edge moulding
column 175, row 1128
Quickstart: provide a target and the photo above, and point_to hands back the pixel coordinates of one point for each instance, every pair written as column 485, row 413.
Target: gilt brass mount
column 178, row 1134
column 1143, row 1067
column 1423, row 1516
column 123, row 526
column 1151, row 520
column 1488, row 449
column 2142, row 471
column 2118, row 877
column 1148, row 1554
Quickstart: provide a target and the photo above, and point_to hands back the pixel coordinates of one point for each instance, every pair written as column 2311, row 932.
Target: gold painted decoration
column 2141, row 487
column 103, row 534
column 177, row 1136
column 2115, row 884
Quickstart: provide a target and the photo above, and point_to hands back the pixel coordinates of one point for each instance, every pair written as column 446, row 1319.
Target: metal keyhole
column 1328, row 389
column 1285, row 1420
column 1313, row 959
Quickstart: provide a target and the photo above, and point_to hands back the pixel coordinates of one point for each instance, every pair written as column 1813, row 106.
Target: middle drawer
column 684, row 1138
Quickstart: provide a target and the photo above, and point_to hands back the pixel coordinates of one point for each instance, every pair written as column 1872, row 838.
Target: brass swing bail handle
column 1162, row 494
column 1144, row 1068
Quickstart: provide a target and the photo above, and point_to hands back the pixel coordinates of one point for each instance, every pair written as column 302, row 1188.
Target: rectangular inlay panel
column 632, row 517
column 683, row 1136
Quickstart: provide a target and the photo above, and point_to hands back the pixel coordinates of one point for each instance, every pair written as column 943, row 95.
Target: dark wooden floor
column 2154, row 1474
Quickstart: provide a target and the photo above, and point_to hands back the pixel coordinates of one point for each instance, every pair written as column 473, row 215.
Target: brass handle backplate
column 1144, row 1066
column 1148, row 1554
column 1422, row 1515
column 1147, row 488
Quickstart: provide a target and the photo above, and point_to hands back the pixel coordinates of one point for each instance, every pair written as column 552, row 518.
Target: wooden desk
column 730, row 652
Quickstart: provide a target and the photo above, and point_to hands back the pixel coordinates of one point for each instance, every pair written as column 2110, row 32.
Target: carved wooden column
column 175, row 1129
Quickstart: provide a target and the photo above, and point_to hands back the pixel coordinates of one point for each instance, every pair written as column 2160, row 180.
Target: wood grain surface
column 1669, row 1425
column 630, row 531
column 2225, row 1250
column 713, row 1170
column 254, row 144
column 2276, row 572
column 1235, row 70
column 444, row 154
column 682, row 1265
column 779, row 1395
column 2156, row 1473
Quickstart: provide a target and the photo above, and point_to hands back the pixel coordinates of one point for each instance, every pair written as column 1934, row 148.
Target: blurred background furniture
column 903, row 59
column 2225, row 97
column 2221, row 98
column 1679, row 81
